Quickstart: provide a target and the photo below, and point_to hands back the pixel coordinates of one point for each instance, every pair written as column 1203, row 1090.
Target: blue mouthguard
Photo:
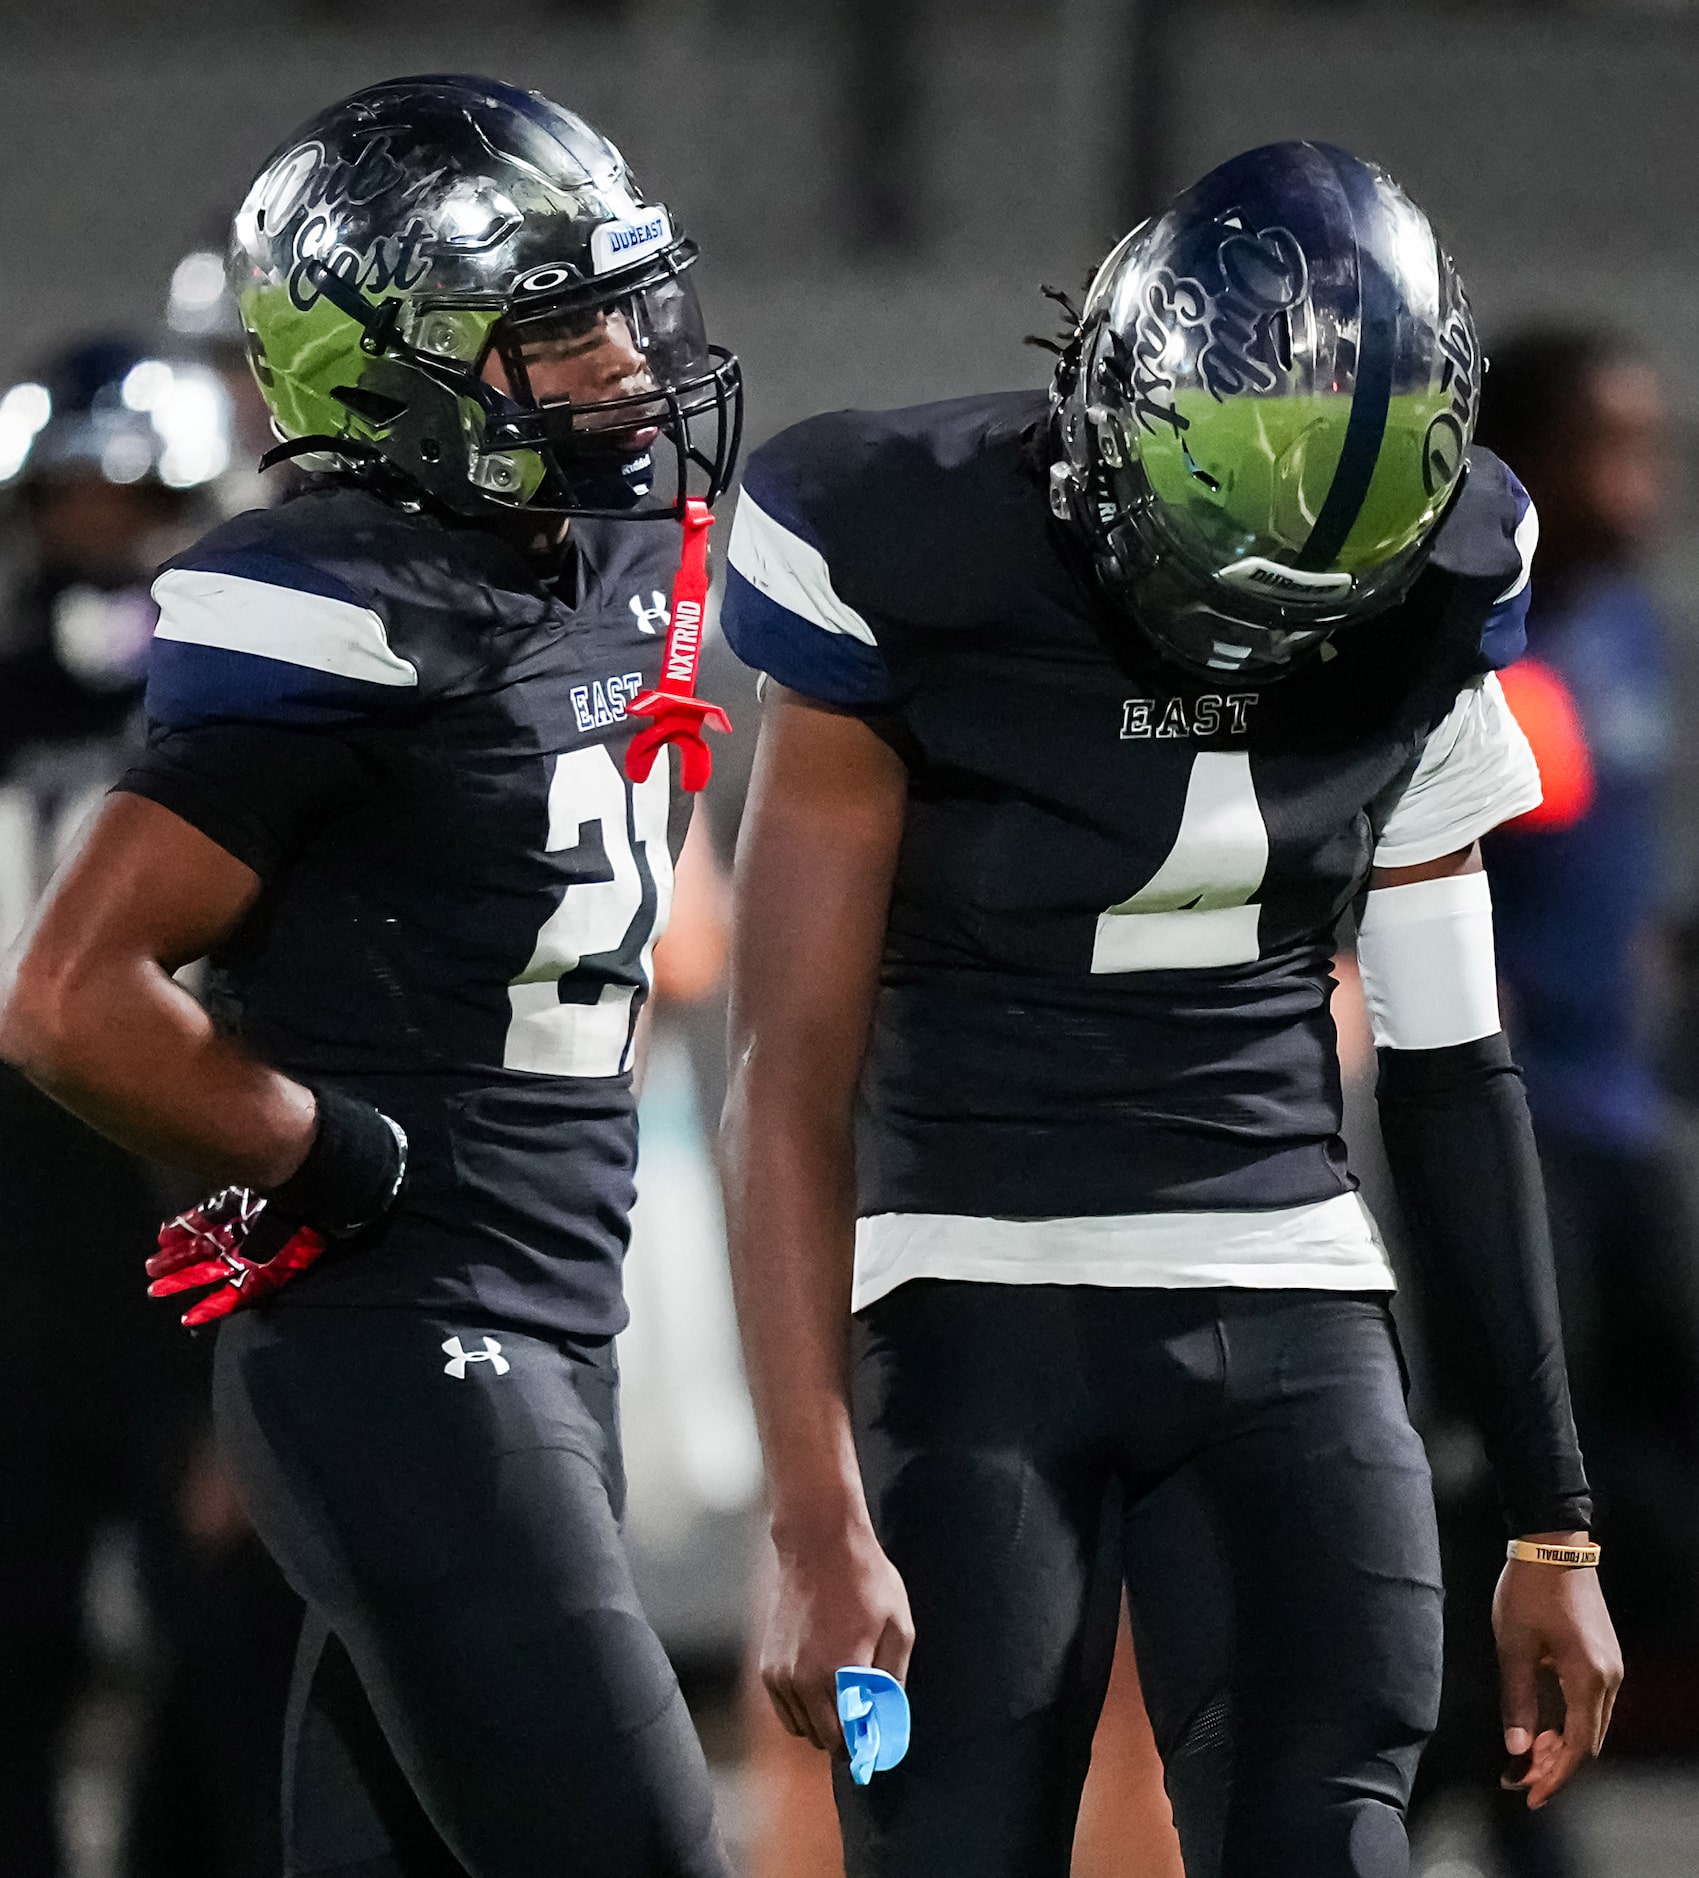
column 875, row 1716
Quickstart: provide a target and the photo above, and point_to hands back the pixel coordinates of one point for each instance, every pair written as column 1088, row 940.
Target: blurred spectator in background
column 1582, row 923
column 1579, row 895
column 109, row 461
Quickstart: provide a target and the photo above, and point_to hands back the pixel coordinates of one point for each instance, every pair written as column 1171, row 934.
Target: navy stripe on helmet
column 1365, row 430
column 540, row 111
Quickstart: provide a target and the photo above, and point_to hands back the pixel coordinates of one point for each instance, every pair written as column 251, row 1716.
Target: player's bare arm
column 93, row 1014
column 815, row 864
column 1549, row 1618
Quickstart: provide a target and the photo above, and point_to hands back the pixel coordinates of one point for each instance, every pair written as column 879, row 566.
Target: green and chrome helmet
column 1266, row 408
column 421, row 267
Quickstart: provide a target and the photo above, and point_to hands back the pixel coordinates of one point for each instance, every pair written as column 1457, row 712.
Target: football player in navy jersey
column 388, row 790
column 1089, row 718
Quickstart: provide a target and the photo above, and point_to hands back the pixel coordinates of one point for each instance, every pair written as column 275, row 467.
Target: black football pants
column 1242, row 1460
column 478, row 1691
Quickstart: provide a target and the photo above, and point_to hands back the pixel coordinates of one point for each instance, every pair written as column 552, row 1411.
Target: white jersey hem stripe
column 1326, row 1245
column 232, row 614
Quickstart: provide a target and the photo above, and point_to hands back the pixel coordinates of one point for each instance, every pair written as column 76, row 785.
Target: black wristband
column 353, row 1170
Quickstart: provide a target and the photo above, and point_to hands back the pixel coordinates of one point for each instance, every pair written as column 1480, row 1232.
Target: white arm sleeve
column 1475, row 772
column 1425, row 955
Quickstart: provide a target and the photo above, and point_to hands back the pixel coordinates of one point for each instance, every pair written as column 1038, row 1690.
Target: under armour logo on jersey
column 650, row 619
column 459, row 1356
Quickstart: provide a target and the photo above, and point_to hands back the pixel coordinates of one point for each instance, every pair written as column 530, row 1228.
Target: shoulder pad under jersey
column 331, row 610
column 1489, row 539
column 855, row 523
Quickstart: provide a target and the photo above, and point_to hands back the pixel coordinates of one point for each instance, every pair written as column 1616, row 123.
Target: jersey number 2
column 1196, row 910
column 571, row 1006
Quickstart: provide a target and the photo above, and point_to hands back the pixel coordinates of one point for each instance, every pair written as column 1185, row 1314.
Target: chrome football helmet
column 1266, row 409
column 461, row 281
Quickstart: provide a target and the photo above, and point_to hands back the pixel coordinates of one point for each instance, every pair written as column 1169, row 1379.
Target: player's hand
column 236, row 1244
column 247, row 1246
column 1552, row 1619
column 839, row 1601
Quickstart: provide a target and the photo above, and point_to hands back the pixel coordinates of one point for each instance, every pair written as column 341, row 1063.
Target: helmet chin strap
column 675, row 713
column 319, row 445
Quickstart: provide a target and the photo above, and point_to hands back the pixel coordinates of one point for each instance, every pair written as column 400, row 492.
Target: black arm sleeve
column 1461, row 1150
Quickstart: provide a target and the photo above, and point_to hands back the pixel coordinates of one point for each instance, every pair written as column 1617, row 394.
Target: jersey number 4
column 572, row 1004
column 1196, row 909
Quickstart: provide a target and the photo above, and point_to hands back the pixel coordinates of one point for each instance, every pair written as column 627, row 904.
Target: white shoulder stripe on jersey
column 1527, row 539
column 789, row 572
column 234, row 614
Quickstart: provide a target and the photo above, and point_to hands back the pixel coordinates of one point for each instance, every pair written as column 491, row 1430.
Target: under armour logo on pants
column 459, row 1356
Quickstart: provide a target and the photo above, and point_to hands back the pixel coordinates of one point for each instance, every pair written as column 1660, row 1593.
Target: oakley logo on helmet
column 618, row 244
column 459, row 1356
column 550, row 279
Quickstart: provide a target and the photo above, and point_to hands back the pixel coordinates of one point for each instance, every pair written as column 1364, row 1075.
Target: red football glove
column 231, row 1243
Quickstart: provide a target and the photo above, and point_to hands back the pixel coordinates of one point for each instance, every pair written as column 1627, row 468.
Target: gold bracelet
column 1538, row 1552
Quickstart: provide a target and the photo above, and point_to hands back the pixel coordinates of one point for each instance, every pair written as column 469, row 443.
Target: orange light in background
column 1544, row 706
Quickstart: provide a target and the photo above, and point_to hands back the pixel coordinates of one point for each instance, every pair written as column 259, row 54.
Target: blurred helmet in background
column 114, row 454
column 199, row 303
column 410, row 260
column 202, row 315
column 1266, row 409
column 105, row 408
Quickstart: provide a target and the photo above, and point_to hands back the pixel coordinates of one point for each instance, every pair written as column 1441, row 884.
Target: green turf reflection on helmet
column 1267, row 407
column 303, row 359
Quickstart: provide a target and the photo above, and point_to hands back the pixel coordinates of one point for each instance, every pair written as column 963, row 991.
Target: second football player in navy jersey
column 1091, row 717
column 390, row 789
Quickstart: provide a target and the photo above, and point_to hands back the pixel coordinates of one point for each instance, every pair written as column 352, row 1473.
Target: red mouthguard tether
column 675, row 713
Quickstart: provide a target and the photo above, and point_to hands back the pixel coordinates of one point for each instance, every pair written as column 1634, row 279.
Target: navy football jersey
column 419, row 749
column 1107, row 976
